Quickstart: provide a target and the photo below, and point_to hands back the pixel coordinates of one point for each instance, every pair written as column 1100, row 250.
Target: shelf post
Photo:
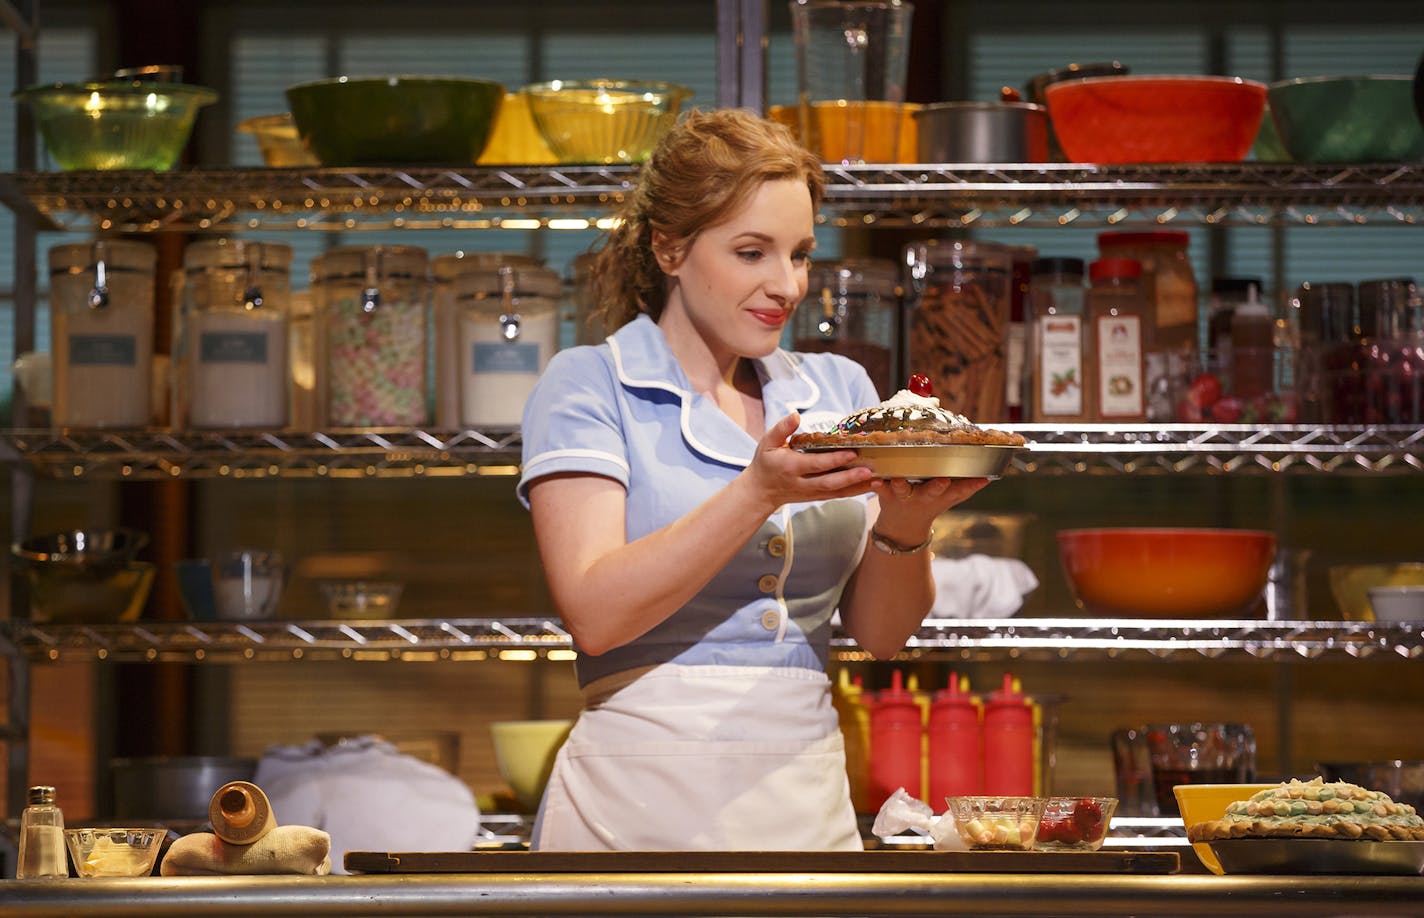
column 741, row 54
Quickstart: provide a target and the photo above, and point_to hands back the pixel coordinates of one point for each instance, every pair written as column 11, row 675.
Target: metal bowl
column 83, row 548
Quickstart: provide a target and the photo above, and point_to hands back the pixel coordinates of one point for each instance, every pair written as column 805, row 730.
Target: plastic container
column 957, row 323
column 852, row 308
column 956, row 745
column 1252, row 348
column 896, row 740
column 1115, row 307
column 41, row 848
column 507, row 329
column 234, row 335
column 1058, row 353
column 848, row 698
column 1009, row 735
column 101, row 332
column 371, row 305
column 1226, row 294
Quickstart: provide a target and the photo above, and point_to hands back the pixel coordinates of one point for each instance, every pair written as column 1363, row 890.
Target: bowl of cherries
column 1074, row 823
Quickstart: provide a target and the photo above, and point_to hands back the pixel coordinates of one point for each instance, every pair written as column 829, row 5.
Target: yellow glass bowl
column 869, row 132
column 1204, row 802
column 115, row 124
column 603, row 121
column 1351, row 584
column 278, row 141
column 524, row 752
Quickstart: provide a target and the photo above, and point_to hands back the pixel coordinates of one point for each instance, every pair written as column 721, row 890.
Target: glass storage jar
column 1058, row 339
column 852, row 308
column 445, row 322
column 371, row 304
column 1169, row 285
column 957, row 322
column 101, row 332
column 308, row 410
column 233, row 335
column 508, row 330
column 1378, row 377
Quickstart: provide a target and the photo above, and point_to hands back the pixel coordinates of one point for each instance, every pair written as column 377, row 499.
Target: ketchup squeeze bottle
column 1008, row 743
column 956, row 741
column 896, row 732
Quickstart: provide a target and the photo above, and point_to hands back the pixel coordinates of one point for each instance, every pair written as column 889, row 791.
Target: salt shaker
column 41, row 837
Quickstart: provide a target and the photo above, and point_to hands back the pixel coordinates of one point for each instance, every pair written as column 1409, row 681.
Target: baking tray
column 1319, row 855
column 1124, row 862
column 949, row 460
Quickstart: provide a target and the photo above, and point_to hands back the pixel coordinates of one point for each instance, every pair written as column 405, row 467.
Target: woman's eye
column 802, row 258
column 749, row 254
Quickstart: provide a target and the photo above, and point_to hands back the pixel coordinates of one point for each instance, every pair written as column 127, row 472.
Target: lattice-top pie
column 1314, row 809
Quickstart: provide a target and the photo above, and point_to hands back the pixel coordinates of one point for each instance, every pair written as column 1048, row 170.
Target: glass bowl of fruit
column 1074, row 823
column 996, row 823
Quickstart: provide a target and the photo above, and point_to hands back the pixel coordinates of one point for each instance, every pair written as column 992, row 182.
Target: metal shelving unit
column 577, row 197
column 530, row 639
column 411, row 453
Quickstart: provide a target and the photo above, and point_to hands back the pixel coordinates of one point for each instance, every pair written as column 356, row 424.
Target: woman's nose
column 788, row 281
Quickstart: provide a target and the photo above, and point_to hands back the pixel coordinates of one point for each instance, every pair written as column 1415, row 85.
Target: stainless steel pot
column 173, row 787
column 983, row 132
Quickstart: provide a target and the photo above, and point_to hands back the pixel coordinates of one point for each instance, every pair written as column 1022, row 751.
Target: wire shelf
column 903, row 195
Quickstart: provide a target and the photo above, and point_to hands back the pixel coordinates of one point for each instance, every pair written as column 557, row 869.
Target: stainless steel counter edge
column 727, row 894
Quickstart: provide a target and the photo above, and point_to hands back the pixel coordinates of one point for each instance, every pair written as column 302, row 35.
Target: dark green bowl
column 397, row 120
column 1354, row 119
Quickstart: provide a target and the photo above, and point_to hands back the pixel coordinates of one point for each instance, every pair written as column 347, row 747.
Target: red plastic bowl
column 1156, row 119
column 1167, row 573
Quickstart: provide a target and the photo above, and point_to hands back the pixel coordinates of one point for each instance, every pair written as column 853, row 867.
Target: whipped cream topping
column 910, row 410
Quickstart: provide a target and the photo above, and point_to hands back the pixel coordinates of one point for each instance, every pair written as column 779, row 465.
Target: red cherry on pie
column 920, row 385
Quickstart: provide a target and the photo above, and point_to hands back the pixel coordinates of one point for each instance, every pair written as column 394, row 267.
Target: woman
column 695, row 558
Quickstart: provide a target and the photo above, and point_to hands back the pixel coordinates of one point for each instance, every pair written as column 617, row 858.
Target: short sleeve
column 572, row 421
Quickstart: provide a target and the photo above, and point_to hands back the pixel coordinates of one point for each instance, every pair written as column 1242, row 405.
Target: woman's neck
column 729, row 380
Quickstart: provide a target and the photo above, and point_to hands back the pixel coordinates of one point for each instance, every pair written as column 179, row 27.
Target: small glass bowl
column 114, row 852
column 1074, row 823
column 997, row 823
column 361, row 599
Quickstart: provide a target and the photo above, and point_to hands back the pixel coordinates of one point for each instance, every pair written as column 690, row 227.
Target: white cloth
column 709, row 758
column 979, row 586
column 369, row 796
column 285, row 849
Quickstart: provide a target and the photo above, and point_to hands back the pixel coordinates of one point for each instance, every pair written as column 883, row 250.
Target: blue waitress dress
column 714, row 730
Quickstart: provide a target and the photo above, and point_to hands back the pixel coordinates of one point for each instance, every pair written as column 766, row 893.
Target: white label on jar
column 239, row 374
column 501, row 374
column 1060, row 370
column 102, row 351
column 1014, row 364
column 1120, row 366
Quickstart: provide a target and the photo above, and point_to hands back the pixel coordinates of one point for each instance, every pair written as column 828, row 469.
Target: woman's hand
column 780, row 475
column 909, row 508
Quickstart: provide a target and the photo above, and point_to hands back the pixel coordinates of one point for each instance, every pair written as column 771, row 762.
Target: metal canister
column 371, row 306
column 233, row 364
column 852, row 308
column 508, row 330
column 101, row 332
column 957, row 322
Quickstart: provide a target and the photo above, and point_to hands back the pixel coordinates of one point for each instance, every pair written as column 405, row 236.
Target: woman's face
column 739, row 281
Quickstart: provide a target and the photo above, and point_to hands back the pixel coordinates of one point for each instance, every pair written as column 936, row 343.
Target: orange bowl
column 1167, row 573
column 1156, row 119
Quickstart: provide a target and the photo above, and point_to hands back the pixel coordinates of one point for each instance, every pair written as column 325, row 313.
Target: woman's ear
column 668, row 254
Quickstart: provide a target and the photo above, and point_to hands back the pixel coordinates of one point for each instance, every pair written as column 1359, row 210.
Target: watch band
column 891, row 547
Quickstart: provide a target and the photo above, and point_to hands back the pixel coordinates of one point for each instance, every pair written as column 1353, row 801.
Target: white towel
column 298, row 850
column 979, row 586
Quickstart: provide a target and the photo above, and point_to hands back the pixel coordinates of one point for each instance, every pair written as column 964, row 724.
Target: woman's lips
column 772, row 318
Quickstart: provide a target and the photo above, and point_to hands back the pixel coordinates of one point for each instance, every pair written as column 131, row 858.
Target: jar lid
column 958, row 253
column 237, row 253
column 353, row 261
column 1058, row 264
column 1144, row 237
column 854, row 272
column 117, row 255
column 1114, row 267
column 523, row 280
column 447, row 266
column 40, row 794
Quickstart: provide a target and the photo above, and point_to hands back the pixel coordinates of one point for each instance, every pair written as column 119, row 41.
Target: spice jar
column 101, row 332
column 1115, row 306
column 1169, row 285
column 1021, row 280
column 234, row 335
column 852, row 308
column 445, row 323
column 371, row 303
column 41, row 850
column 957, row 323
column 1058, row 342
column 508, row 330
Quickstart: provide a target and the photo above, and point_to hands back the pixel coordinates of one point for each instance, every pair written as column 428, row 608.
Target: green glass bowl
column 115, row 124
column 1354, row 119
column 404, row 120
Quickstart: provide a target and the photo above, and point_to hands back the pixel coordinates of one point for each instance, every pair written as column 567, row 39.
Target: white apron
column 711, row 758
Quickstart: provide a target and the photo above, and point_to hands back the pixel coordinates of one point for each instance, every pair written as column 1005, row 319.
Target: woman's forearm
column 887, row 599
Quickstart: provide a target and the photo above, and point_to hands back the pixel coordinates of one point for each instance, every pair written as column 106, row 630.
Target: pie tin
column 949, row 460
column 1319, row 855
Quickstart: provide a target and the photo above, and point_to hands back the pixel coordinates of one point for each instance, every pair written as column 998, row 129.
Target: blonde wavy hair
column 704, row 169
